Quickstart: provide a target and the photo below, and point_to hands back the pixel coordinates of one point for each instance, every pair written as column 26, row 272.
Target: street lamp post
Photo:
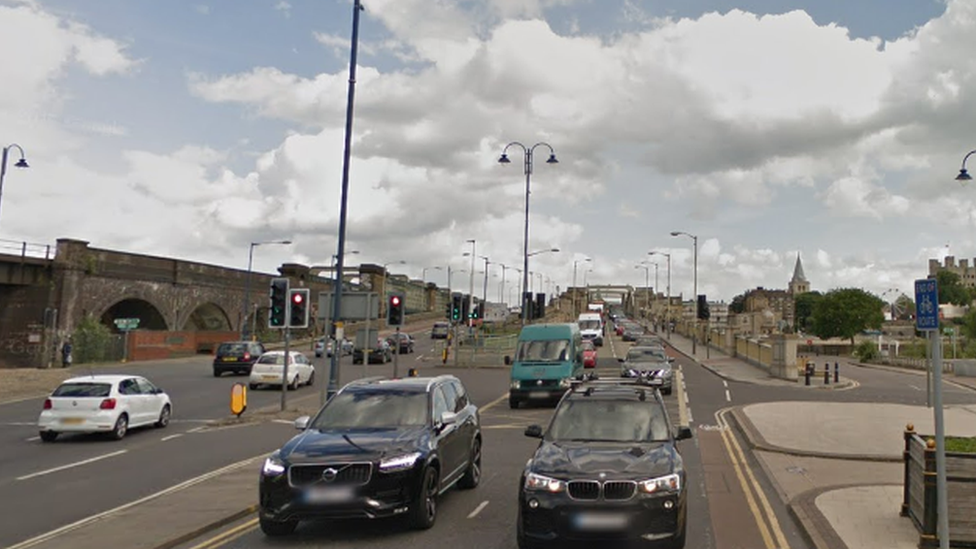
column 474, row 247
column 647, row 282
column 667, row 311
column 484, row 293
column 694, row 296
column 242, row 317
column 527, row 154
column 501, row 293
column 22, row 163
column 575, row 263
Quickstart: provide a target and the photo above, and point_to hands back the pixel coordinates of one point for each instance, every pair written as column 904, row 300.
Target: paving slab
column 867, row 517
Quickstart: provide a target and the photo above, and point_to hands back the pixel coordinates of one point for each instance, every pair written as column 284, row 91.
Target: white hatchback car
column 103, row 404
column 268, row 370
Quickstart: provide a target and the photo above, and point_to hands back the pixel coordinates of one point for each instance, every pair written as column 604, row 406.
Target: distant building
column 769, row 311
column 966, row 272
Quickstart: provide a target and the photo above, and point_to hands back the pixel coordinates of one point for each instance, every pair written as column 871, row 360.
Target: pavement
column 836, row 465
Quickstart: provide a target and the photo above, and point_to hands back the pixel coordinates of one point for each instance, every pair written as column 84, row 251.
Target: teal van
column 547, row 358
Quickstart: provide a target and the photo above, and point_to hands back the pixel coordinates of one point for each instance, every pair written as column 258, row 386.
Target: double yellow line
column 765, row 518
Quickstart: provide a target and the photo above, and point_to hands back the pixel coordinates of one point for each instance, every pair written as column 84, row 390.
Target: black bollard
column 807, row 372
column 836, row 373
column 827, row 374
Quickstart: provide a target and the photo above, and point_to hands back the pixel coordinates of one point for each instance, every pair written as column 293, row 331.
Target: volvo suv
column 379, row 448
column 607, row 469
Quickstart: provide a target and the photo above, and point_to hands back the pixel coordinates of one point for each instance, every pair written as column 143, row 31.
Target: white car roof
column 100, row 379
column 281, row 353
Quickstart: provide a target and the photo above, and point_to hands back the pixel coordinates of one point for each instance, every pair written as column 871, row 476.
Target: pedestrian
column 66, row 354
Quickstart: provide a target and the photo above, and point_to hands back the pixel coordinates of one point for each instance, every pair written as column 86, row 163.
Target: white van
column 591, row 327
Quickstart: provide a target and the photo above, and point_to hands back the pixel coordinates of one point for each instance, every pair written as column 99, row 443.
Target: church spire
column 798, row 275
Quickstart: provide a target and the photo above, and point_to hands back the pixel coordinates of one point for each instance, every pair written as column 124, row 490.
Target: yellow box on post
column 238, row 399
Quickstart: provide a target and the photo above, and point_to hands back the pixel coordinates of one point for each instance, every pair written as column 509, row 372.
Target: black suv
column 607, row 469
column 237, row 357
column 378, row 448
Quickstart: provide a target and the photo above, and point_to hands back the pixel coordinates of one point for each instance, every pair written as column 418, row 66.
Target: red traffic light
column 296, row 298
column 395, row 300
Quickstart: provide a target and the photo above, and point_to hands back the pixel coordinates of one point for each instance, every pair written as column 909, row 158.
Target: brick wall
column 154, row 345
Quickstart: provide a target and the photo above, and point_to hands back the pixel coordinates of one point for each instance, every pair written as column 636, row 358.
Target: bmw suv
column 607, row 470
column 378, row 448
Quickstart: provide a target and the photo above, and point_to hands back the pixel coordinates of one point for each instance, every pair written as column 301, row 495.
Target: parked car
column 110, row 404
column 378, row 448
column 270, row 370
column 381, row 353
column 236, row 356
column 406, row 342
column 607, row 470
column 440, row 330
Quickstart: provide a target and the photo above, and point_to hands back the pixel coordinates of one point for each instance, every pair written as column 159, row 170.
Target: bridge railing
column 26, row 249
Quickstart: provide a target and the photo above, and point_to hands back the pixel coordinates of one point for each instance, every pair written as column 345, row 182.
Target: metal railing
column 26, row 249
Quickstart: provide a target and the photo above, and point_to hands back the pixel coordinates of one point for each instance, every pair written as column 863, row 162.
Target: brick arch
column 207, row 316
column 150, row 315
column 106, row 300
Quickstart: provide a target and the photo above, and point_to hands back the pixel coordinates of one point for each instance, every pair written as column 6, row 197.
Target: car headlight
column 668, row 483
column 273, row 466
column 544, row 483
column 565, row 383
column 399, row 463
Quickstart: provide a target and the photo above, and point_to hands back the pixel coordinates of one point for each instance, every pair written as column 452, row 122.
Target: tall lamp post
column 694, row 239
column 484, row 293
column 575, row 263
column 242, row 317
column 501, row 293
column 22, row 163
column 503, row 159
column 667, row 311
column 647, row 282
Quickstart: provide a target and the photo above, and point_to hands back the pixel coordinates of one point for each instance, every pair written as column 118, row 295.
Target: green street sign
column 126, row 324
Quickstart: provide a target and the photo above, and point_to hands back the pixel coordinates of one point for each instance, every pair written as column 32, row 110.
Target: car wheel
column 275, row 528
column 217, row 373
column 424, row 508
column 121, row 427
column 679, row 540
column 311, row 379
column 163, row 420
column 520, row 538
column 513, row 403
column 49, row 436
column 472, row 475
column 293, row 386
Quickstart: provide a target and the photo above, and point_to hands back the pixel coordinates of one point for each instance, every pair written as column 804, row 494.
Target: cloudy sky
column 832, row 129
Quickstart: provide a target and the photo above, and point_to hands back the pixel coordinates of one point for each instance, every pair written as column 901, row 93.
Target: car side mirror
column 302, row 423
column 684, row 432
column 533, row 431
column 508, row 360
column 448, row 418
column 158, row 391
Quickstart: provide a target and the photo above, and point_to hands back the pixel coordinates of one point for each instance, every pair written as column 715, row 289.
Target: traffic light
column 528, row 309
column 703, row 313
column 394, row 310
column 476, row 314
column 456, row 307
column 298, row 308
column 540, row 306
column 279, row 303
column 465, row 307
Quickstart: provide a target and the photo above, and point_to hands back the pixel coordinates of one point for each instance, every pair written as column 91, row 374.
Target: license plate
column 269, row 377
column 329, row 495
column 72, row 420
column 538, row 394
column 230, row 359
column 600, row 521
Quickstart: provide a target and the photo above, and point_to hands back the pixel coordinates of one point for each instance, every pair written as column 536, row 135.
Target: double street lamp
column 503, row 159
column 694, row 297
column 22, row 163
column 667, row 311
column 647, row 281
column 242, row 317
column 575, row 263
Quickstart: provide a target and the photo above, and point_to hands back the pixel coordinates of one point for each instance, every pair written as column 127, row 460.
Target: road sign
column 926, row 304
column 355, row 306
column 126, row 324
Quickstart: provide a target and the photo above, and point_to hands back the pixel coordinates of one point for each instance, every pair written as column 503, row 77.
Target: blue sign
column 926, row 304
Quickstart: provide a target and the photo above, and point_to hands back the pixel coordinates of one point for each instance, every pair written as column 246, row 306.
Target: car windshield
column 228, row 348
column 589, row 325
column 608, row 420
column 646, row 353
column 554, row 350
column 588, row 346
column 273, row 359
column 83, row 390
column 373, row 409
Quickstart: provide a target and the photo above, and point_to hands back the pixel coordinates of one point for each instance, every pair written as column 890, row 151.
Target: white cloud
column 284, row 7
column 855, row 197
column 202, row 9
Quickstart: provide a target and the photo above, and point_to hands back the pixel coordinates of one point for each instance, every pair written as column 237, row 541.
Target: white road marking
column 196, row 429
column 914, row 387
column 285, row 421
column 32, row 439
column 171, row 437
column 19, row 424
column 478, row 509
column 725, row 383
column 419, row 357
column 728, row 395
column 37, row 540
column 72, row 465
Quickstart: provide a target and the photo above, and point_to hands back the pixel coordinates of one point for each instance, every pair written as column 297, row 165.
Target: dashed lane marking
column 728, row 396
column 171, row 437
column 72, row 465
column 478, row 509
column 494, row 403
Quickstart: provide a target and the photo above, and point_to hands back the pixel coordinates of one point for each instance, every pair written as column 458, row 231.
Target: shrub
column 866, row 350
column 91, row 341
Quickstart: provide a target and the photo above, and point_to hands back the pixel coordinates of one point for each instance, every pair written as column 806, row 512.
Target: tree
column 968, row 327
column 951, row 289
column 803, row 308
column 845, row 313
column 738, row 304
